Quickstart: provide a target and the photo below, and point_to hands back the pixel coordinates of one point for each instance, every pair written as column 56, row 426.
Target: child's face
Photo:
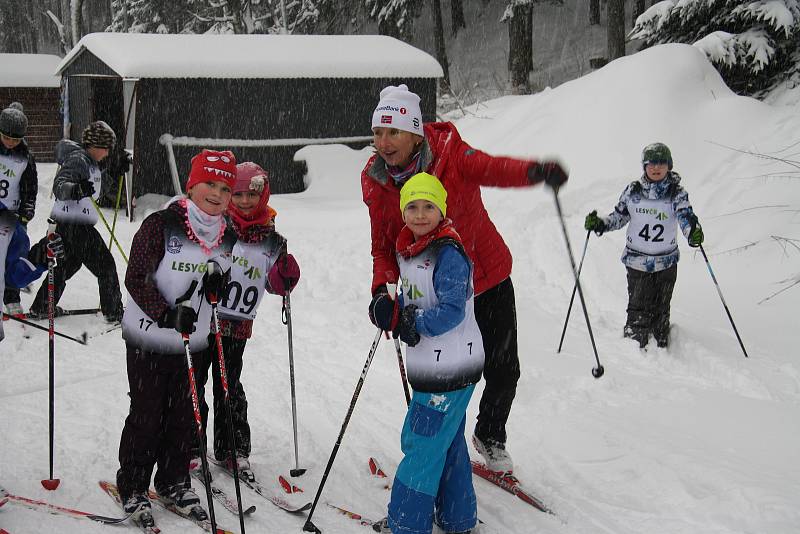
column 9, row 142
column 421, row 217
column 656, row 171
column 211, row 197
column 97, row 153
column 395, row 146
column 246, row 201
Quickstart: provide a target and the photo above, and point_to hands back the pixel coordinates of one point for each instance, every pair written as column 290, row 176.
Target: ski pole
column 598, row 371
column 83, row 340
column 402, row 371
column 51, row 483
column 105, row 222
column 309, row 526
column 574, row 288
column 398, row 350
column 223, row 378
column 201, row 437
column 724, row 304
column 116, row 209
column 286, row 313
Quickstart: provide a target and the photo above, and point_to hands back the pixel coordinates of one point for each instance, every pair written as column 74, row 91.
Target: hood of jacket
column 67, row 148
column 661, row 189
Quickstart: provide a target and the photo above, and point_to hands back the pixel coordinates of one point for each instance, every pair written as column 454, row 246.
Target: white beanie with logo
column 398, row 108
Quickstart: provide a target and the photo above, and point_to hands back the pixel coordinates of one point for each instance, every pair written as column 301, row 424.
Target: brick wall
column 43, row 109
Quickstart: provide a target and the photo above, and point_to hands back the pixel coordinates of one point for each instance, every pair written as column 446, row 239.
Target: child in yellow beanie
column 435, row 318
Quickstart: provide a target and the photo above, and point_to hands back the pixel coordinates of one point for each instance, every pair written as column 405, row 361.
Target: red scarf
column 407, row 247
column 262, row 215
column 254, row 232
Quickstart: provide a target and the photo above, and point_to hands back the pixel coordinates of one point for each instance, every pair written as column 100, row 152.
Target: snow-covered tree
column 752, row 43
column 153, row 16
column 218, row 16
column 395, row 17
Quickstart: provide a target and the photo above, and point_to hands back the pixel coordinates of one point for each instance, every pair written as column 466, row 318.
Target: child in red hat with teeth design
column 167, row 282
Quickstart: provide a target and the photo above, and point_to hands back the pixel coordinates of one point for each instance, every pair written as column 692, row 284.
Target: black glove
column 549, row 172
column 406, row 328
column 25, row 212
column 215, row 280
column 381, row 311
column 593, row 222
column 181, row 318
column 56, row 246
column 82, row 189
column 38, row 253
column 696, row 233
column 119, row 163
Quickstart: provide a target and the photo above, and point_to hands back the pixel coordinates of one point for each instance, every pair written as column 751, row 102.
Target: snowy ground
column 691, row 439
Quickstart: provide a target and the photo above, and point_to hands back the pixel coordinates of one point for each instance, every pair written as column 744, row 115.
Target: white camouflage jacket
column 679, row 208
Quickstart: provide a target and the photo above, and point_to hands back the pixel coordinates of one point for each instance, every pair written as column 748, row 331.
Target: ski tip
column 84, row 338
column 297, row 472
column 50, row 484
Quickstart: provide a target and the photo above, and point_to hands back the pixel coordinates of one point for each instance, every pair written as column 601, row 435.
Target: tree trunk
column 457, row 15
column 529, row 34
column 441, row 51
column 75, row 20
column 616, row 29
column 639, row 7
column 594, row 12
column 31, row 19
column 520, row 51
column 11, row 36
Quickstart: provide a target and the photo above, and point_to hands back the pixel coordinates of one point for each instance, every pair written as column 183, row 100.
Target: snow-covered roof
column 133, row 55
column 29, row 70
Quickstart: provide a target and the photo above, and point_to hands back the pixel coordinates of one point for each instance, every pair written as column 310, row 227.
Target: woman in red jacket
column 404, row 147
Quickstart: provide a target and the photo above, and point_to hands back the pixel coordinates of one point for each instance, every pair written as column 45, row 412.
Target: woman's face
column 246, row 201
column 211, row 197
column 395, row 146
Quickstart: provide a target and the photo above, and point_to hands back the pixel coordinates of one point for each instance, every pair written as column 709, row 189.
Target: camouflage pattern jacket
column 654, row 210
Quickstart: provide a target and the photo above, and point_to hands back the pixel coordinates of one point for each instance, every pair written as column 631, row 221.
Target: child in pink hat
column 261, row 264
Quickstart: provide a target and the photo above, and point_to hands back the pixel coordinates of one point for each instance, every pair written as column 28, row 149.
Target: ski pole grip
column 51, row 228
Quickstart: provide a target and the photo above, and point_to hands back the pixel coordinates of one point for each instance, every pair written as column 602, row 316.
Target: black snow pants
column 233, row 350
column 11, row 295
column 84, row 246
column 649, row 296
column 160, row 428
column 496, row 315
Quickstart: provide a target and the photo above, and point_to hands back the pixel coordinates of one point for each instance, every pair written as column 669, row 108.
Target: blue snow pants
column 435, row 475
